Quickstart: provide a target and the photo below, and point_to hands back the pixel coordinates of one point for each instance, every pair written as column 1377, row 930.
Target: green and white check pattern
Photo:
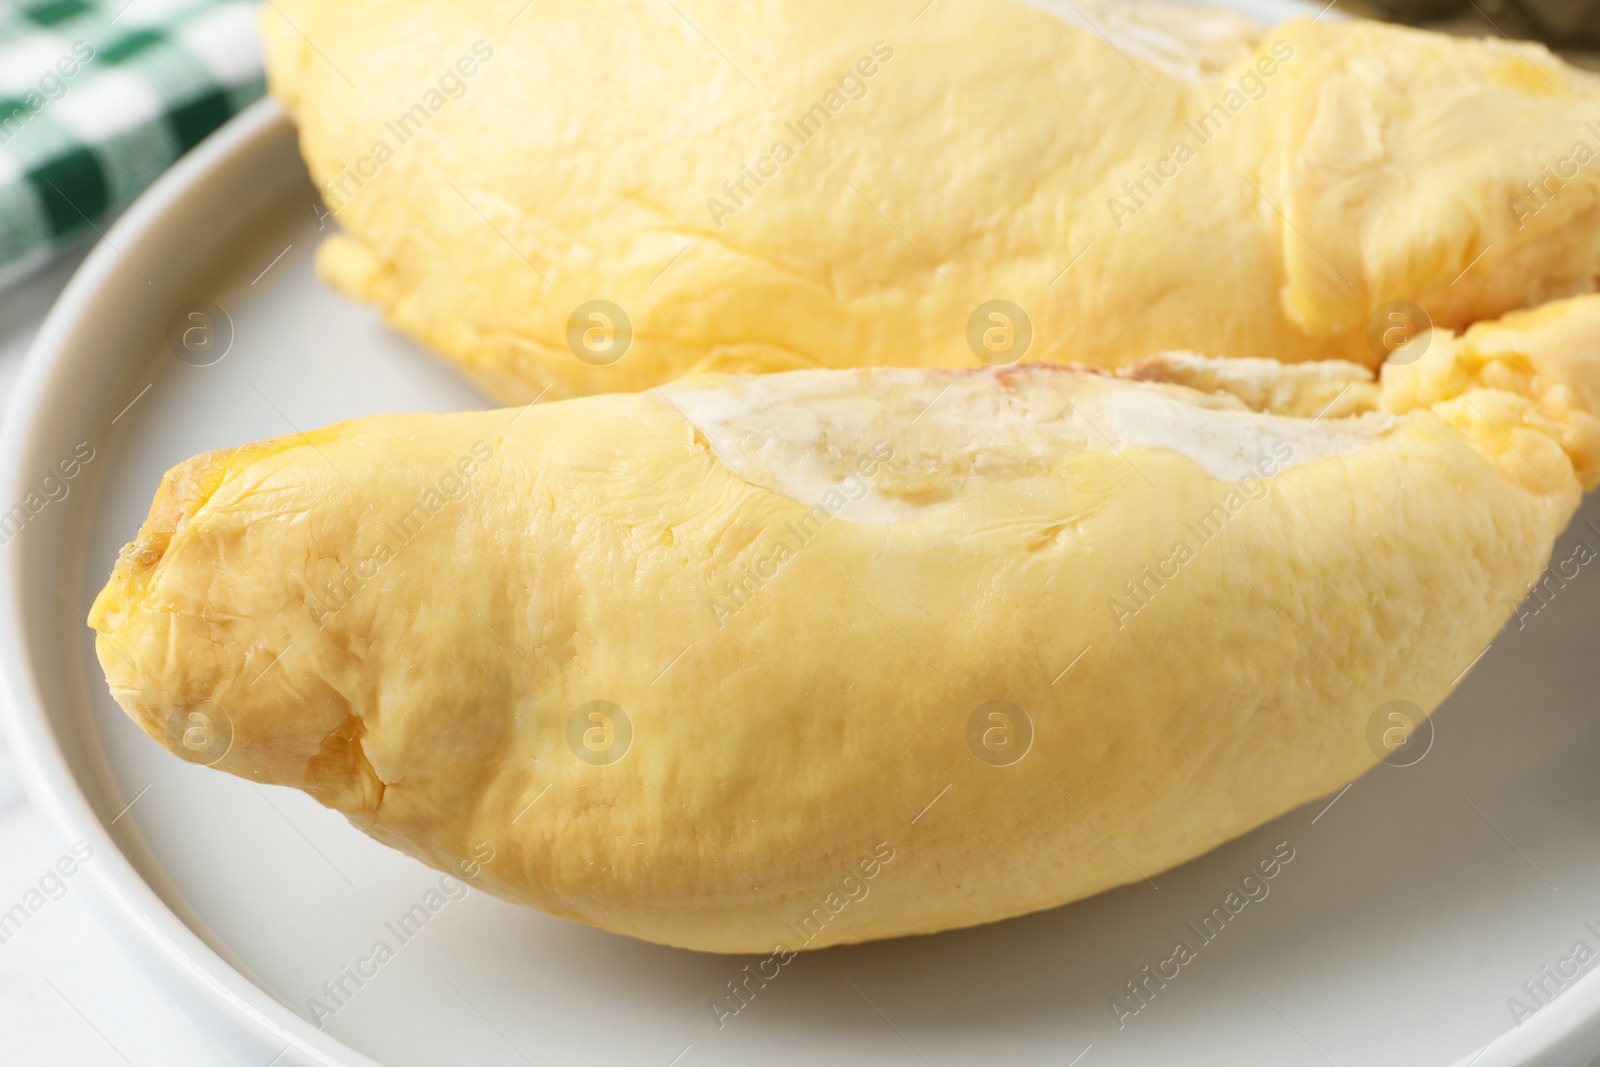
column 97, row 99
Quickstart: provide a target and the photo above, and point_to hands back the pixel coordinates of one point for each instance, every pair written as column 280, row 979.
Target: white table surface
column 68, row 995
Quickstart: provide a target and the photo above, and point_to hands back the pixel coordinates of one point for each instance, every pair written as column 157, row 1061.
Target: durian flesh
column 493, row 175
column 802, row 591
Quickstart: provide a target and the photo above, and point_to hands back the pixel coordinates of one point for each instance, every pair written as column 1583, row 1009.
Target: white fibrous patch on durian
column 810, row 432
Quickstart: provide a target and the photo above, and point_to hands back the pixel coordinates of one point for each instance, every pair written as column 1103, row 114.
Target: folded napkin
column 97, row 99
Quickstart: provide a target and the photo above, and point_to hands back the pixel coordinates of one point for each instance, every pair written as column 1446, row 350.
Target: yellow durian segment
column 1133, row 177
column 799, row 598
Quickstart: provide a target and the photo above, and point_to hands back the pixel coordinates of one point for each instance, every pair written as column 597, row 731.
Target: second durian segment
column 590, row 199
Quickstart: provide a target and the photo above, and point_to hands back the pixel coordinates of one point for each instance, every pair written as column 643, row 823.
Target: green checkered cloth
column 97, row 99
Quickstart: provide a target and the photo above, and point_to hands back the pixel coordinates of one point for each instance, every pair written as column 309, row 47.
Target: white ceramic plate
column 1414, row 908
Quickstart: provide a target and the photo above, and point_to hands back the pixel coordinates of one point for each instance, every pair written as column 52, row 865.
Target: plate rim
column 47, row 775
